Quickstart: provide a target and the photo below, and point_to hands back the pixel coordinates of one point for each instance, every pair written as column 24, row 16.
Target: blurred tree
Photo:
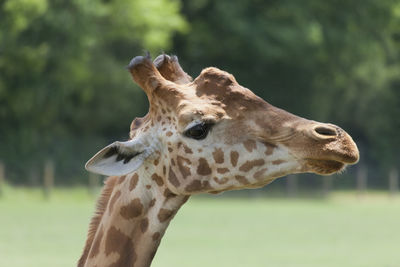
column 63, row 88
column 332, row 61
column 64, row 93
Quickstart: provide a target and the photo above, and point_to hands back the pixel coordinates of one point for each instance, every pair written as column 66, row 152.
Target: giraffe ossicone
column 206, row 135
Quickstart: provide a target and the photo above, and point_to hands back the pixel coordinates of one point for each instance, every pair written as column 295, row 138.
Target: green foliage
column 64, row 92
column 63, row 87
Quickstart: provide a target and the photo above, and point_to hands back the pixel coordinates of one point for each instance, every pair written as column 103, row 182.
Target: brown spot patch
column 270, row 148
column 185, row 171
column 187, row 149
column 164, row 170
column 260, row 173
column 221, row 180
column 133, row 182
column 144, row 225
column 234, row 158
column 278, row 161
column 148, row 186
column 241, row 179
column 222, row 170
column 113, row 238
column 158, row 179
column 113, row 200
column 170, row 149
column 152, row 202
column 169, row 133
column 118, row 242
column 156, row 161
column 198, row 185
column 248, row 165
column 96, row 244
column 132, row 210
column 121, row 179
column 250, row 145
column 218, row 155
column 156, row 236
column 168, row 193
column 165, row 215
column 172, row 178
column 203, row 168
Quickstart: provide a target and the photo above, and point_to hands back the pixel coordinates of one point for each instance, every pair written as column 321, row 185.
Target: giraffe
column 206, row 135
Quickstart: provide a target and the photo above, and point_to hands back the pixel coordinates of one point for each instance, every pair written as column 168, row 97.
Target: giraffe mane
column 101, row 206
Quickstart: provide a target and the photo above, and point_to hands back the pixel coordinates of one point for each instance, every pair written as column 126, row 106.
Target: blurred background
column 64, row 94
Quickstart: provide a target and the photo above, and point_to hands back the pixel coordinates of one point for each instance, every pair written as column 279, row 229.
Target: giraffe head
column 213, row 135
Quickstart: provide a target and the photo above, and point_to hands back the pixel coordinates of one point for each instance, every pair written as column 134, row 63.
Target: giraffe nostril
column 326, row 131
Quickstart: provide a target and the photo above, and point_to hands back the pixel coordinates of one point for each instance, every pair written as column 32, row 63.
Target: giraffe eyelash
column 199, row 131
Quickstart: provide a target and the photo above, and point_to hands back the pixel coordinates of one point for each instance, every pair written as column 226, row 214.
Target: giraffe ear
column 119, row 158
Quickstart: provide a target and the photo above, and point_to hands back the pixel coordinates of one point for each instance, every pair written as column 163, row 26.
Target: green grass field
column 214, row 231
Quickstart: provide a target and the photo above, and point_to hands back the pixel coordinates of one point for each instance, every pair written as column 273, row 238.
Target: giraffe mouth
column 324, row 167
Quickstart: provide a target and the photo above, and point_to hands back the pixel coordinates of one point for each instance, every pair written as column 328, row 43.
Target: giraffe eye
column 199, row 131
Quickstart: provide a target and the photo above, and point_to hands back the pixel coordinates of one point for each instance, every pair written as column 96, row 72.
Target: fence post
column 327, row 185
column 291, row 185
column 93, row 183
column 361, row 180
column 393, row 182
column 2, row 178
column 48, row 178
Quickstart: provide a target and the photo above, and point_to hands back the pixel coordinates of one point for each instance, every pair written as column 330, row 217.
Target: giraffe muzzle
column 336, row 143
column 330, row 149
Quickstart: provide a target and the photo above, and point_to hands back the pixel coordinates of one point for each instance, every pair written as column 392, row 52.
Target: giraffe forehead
column 188, row 113
column 221, row 98
column 214, row 93
column 213, row 109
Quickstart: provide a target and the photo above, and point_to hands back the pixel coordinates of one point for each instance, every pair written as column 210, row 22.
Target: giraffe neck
column 133, row 222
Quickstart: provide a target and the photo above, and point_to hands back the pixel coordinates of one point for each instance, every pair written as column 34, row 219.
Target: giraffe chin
column 324, row 167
